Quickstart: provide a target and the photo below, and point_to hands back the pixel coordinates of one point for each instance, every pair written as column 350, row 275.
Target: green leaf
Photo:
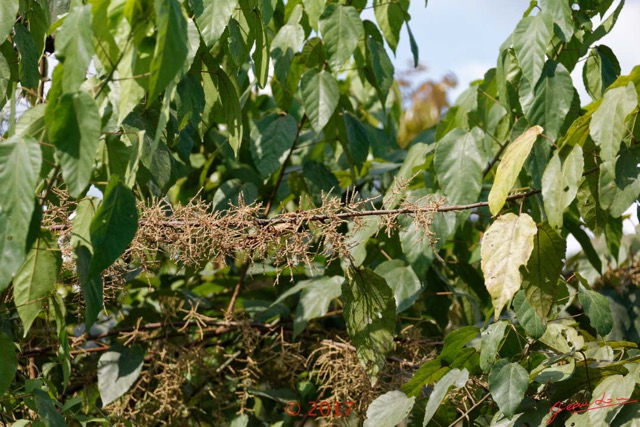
column 560, row 11
column 543, row 269
column 74, row 47
column 626, row 181
column 320, row 96
column 510, row 166
column 534, row 325
column 8, row 363
column 358, row 139
column 530, row 40
column 414, row 47
column 403, row 280
column 491, row 339
column 314, row 9
column 8, row 12
column 454, row 378
column 560, row 182
column 230, row 102
column 597, row 308
column 341, row 29
column 113, row 226
column 314, row 301
column 458, row 164
column 118, row 370
column 389, row 410
column 20, row 160
column 261, row 53
column 36, row 279
column 456, row 340
column 46, row 410
column 508, row 383
column 171, row 47
column 390, row 15
column 213, row 18
column 600, row 70
column 429, row 372
column 272, row 139
column 382, row 68
column 91, row 285
column 607, row 126
column 370, row 315
column 552, row 98
column 506, row 246
column 29, row 57
column 74, row 129
column 606, row 403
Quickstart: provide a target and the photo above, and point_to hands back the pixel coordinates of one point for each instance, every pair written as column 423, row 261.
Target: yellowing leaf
column 510, row 166
column 506, row 246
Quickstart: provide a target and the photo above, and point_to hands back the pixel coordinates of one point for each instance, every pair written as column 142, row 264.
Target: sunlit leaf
column 506, row 246
column 491, row 339
column 213, row 18
column 458, row 164
column 454, row 378
column 403, row 280
column 510, row 166
column 341, row 29
column 390, row 15
column 36, row 279
column 118, row 370
column 560, row 182
column 171, row 46
column 320, row 95
column 508, row 383
column 600, row 70
column 74, row 47
column 20, row 160
column 74, row 128
column 530, row 40
column 8, row 12
column 389, row 410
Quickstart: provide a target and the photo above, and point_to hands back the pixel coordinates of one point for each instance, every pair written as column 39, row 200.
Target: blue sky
column 463, row 36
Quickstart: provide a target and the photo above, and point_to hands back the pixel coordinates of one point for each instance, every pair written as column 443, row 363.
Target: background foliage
column 281, row 220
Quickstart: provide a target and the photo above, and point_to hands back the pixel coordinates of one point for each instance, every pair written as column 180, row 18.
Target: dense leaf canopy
column 286, row 230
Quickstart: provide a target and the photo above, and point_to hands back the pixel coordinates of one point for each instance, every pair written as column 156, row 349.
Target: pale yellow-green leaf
column 510, row 166
column 506, row 246
column 606, row 402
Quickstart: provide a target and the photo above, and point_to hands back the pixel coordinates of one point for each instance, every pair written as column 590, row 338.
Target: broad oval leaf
column 271, row 140
column 454, row 378
column 552, row 98
column 36, row 278
column 74, row 129
column 597, row 308
column 507, row 383
column 113, row 226
column 534, row 325
column 320, row 96
column 370, row 315
column 510, row 166
column 381, row 68
column 118, row 370
column 611, row 390
column 341, row 29
column 8, row 363
column 530, row 40
column 506, row 246
column 20, row 160
column 171, row 46
column 458, row 164
column 389, row 410
column 456, row 340
column 212, row 18
column 607, row 126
